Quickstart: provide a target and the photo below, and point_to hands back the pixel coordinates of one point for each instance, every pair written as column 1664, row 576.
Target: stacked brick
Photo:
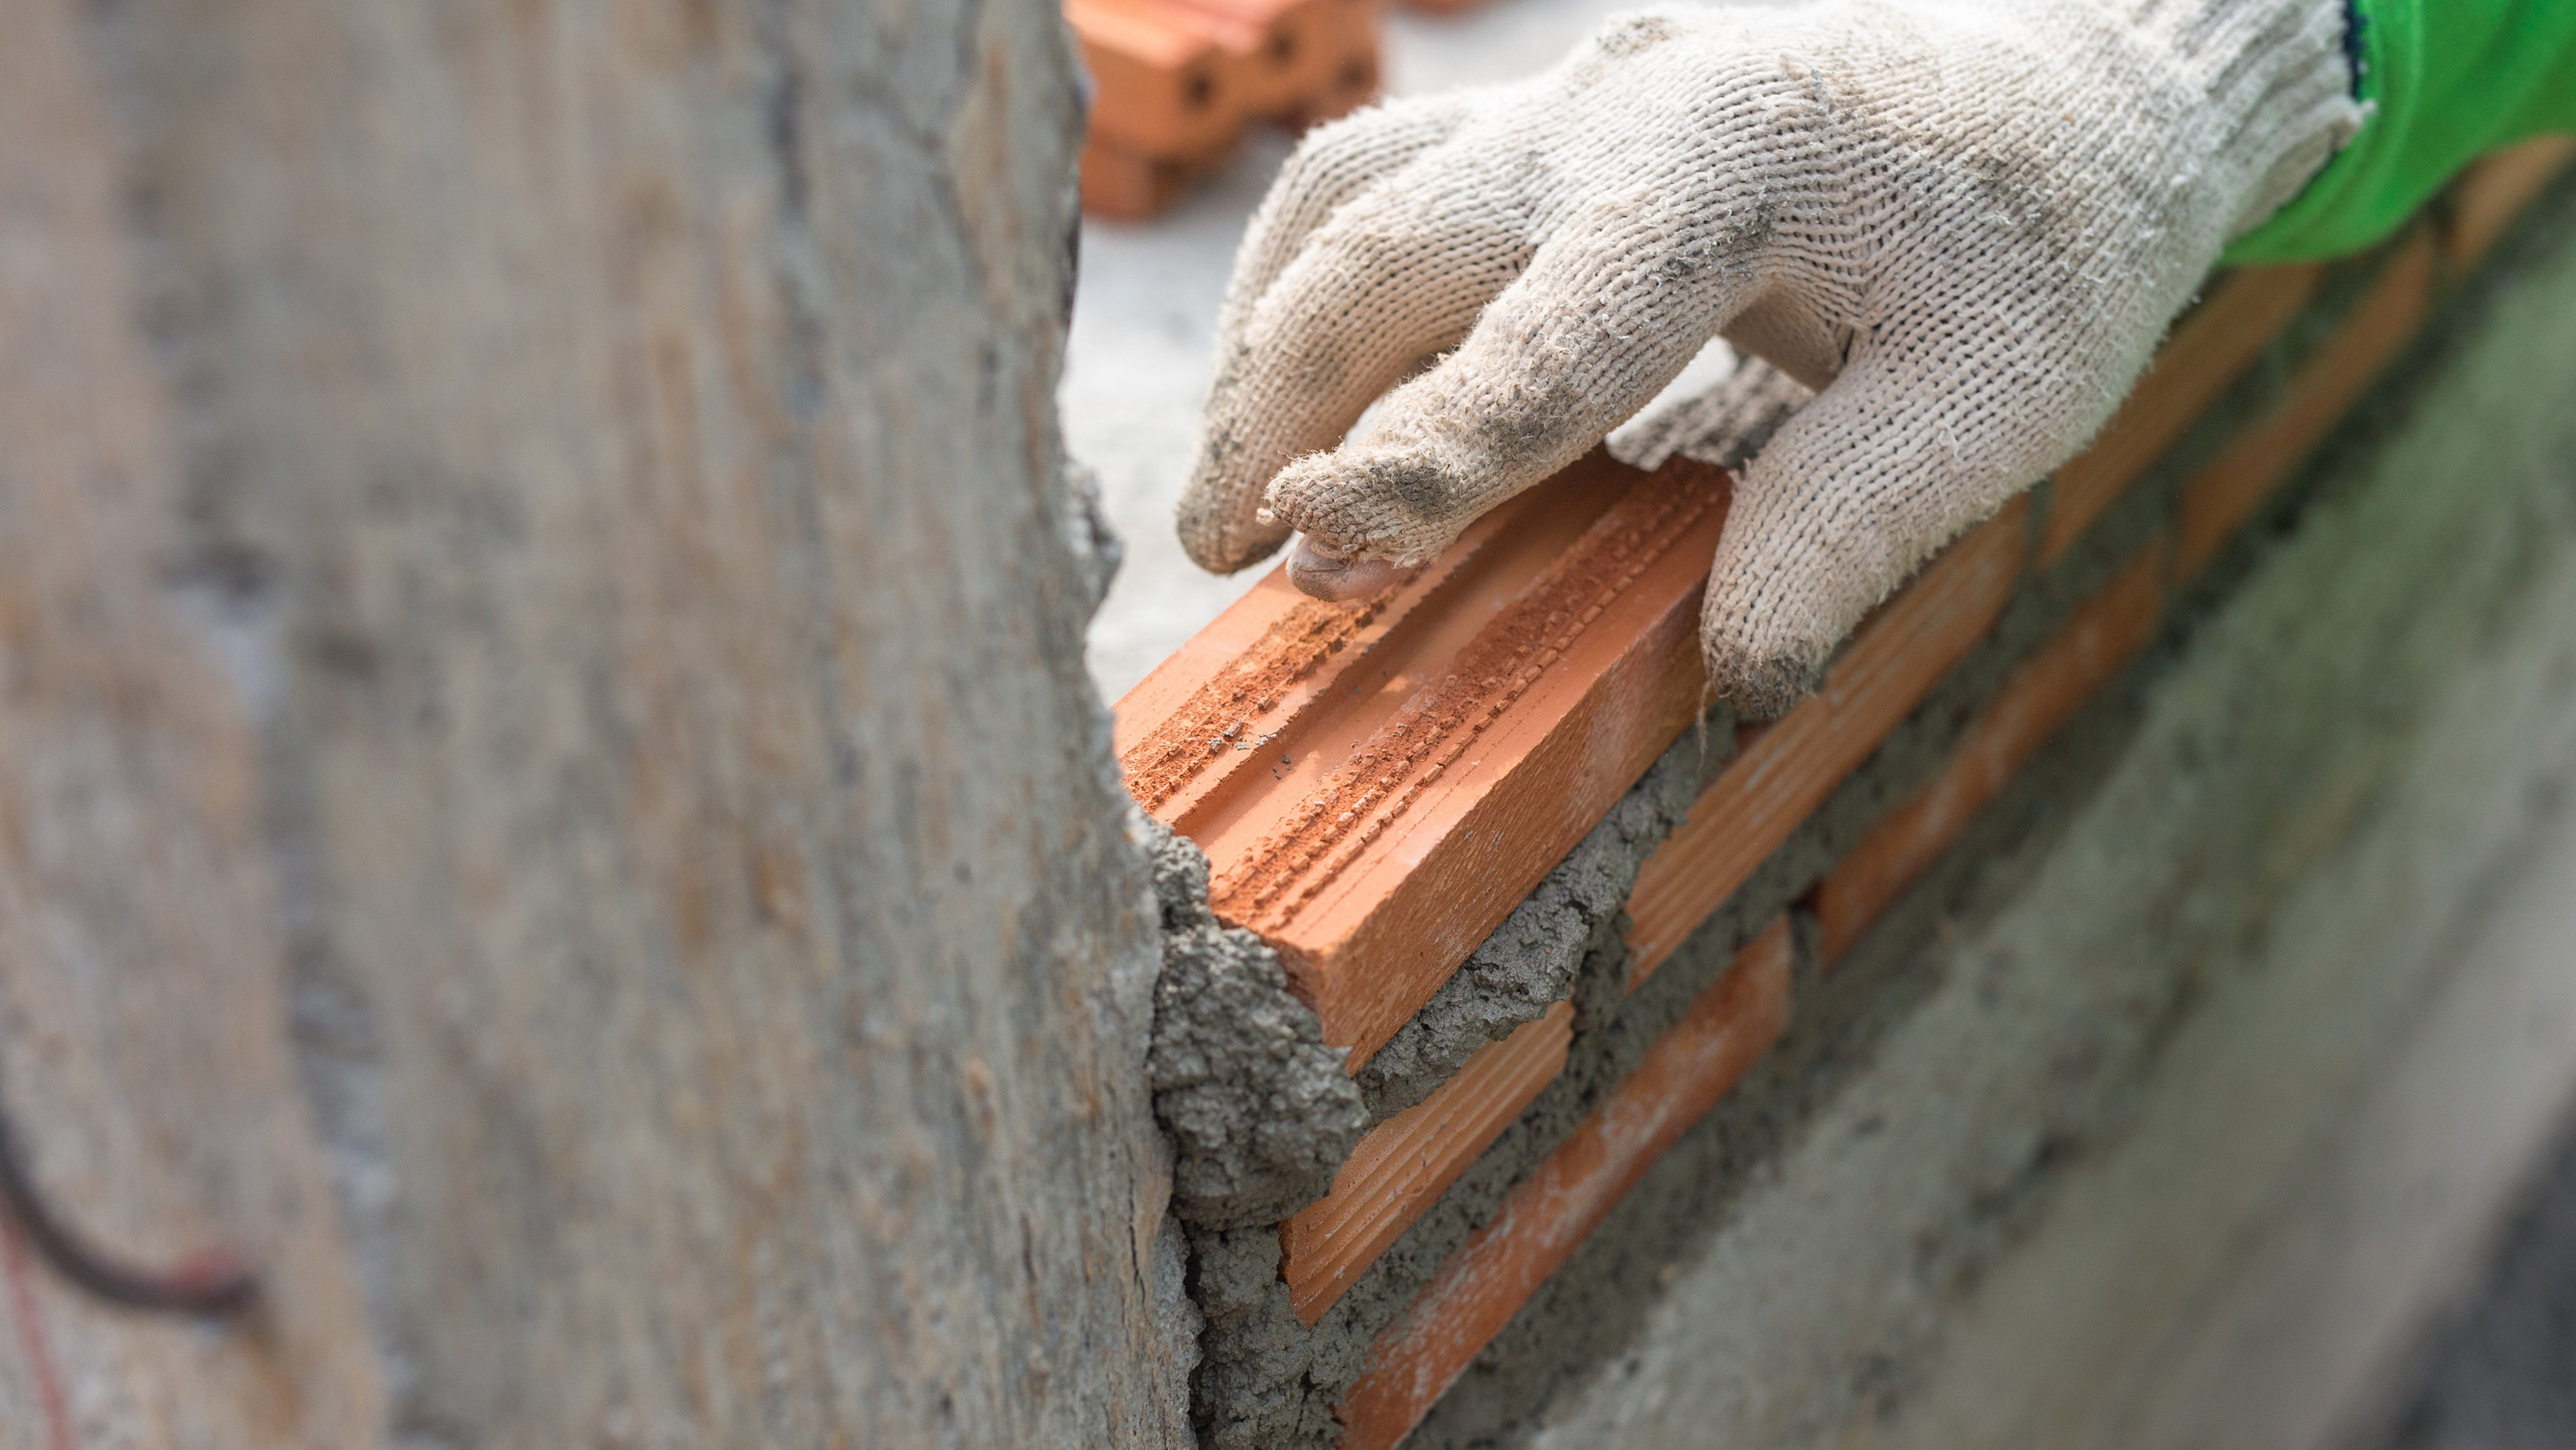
column 1175, row 82
column 1378, row 783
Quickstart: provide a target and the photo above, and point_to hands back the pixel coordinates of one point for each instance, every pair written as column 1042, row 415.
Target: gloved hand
column 1966, row 225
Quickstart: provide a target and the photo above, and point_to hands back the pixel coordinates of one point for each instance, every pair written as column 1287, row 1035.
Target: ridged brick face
column 1548, row 1216
column 1378, row 783
column 1405, row 1163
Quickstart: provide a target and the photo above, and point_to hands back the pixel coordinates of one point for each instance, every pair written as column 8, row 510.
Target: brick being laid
column 1378, row 783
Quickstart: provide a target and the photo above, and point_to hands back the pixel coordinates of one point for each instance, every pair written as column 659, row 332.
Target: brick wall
column 1725, row 937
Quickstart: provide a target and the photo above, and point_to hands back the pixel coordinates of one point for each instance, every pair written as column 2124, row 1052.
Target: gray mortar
column 1266, row 1382
column 1260, row 1112
column 1264, row 1379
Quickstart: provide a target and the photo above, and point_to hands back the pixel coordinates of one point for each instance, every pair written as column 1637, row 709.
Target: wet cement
column 1260, row 1112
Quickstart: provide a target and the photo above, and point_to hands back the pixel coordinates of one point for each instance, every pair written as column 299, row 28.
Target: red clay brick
column 1159, row 81
column 1782, row 773
column 2491, row 193
column 2220, row 497
column 1549, row 1214
column 1275, row 657
column 1419, row 761
column 1129, row 186
column 2210, row 350
column 2041, row 695
column 1405, row 1163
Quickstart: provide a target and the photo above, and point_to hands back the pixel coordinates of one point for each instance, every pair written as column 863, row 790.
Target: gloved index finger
column 1394, row 275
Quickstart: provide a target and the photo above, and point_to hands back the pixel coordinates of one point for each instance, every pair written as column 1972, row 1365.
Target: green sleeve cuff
column 2446, row 81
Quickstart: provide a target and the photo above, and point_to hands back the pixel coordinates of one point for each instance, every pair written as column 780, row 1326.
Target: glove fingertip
column 1758, row 681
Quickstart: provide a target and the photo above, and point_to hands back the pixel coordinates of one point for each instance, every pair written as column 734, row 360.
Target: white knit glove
column 1966, row 225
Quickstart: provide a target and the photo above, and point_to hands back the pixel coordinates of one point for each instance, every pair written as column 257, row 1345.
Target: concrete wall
column 547, row 785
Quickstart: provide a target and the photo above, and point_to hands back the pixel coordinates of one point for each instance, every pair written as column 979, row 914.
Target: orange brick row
column 1784, row 770
column 1174, row 83
column 1549, row 1214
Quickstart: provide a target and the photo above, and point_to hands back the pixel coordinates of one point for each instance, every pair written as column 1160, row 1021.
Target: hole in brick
column 1198, row 91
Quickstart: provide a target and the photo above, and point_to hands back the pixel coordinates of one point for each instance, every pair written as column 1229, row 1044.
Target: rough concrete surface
column 1261, row 1113
column 616, row 446
column 2204, row 1089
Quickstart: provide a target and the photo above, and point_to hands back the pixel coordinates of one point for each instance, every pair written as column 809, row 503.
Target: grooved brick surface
column 1785, row 770
column 1405, row 1163
column 1378, row 783
column 1548, row 1215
